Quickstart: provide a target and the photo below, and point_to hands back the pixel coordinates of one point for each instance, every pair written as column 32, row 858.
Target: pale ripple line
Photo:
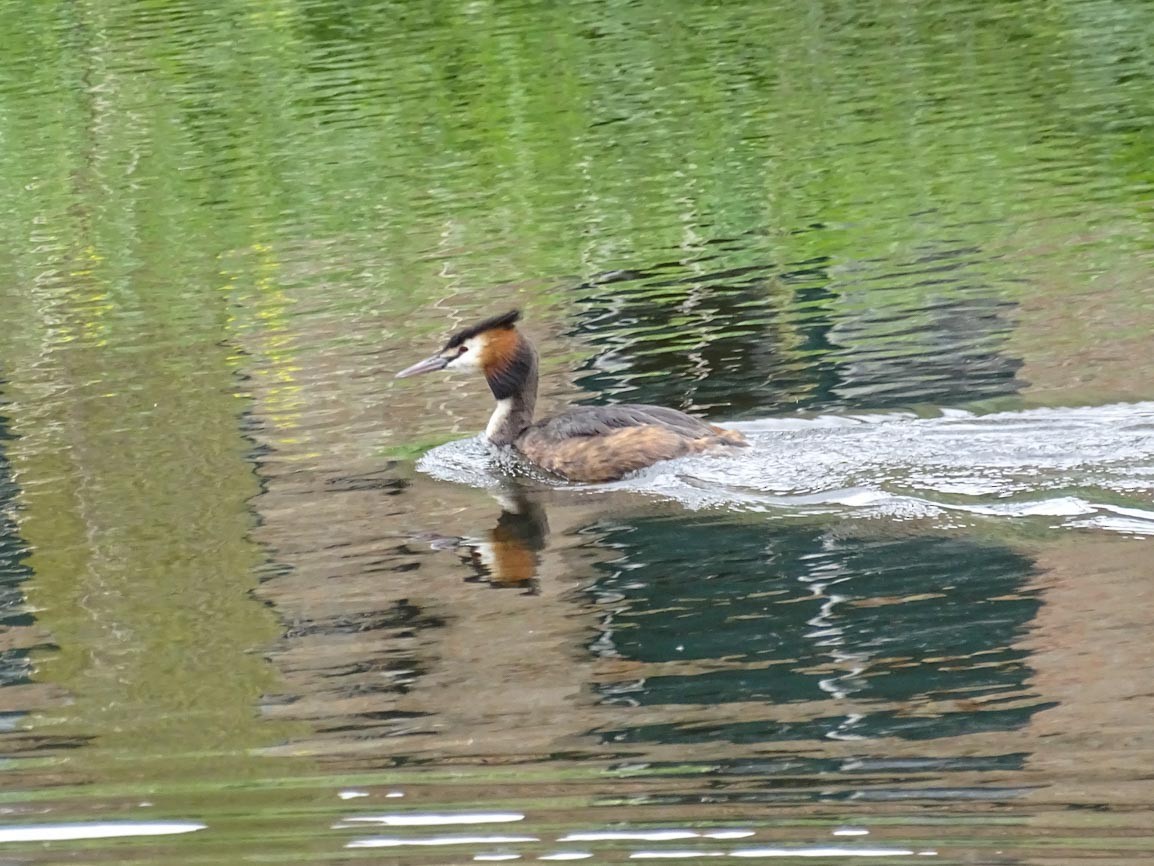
column 829, row 852
column 751, row 852
column 652, row 835
column 386, row 842
column 429, row 820
column 100, row 830
column 782, row 852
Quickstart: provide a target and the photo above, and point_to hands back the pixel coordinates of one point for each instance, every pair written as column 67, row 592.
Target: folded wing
column 603, row 443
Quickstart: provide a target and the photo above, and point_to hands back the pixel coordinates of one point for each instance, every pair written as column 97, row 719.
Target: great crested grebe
column 586, row 443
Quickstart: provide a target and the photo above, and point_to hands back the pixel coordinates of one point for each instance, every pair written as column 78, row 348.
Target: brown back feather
column 593, row 459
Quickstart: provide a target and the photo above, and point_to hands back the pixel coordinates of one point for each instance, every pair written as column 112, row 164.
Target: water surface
column 259, row 601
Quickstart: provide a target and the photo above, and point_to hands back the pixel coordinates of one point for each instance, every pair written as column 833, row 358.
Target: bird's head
column 494, row 347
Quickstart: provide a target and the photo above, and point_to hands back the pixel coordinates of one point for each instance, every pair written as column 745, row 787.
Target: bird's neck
column 515, row 388
column 509, row 420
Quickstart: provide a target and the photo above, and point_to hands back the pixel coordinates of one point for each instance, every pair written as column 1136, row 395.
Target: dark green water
column 909, row 248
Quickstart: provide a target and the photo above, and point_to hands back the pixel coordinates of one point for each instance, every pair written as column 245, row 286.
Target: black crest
column 505, row 320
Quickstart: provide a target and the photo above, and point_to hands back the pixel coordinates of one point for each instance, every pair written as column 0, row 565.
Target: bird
column 585, row 444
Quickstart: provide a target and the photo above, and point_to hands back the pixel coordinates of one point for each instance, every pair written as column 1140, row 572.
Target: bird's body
column 603, row 443
column 585, row 443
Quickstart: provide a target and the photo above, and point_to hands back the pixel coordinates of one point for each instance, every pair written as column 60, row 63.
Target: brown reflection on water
column 1092, row 656
column 408, row 642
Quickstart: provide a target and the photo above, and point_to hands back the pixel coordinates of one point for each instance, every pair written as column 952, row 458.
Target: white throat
column 499, row 418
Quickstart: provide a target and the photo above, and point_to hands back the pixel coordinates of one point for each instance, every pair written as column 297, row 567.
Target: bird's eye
column 463, row 350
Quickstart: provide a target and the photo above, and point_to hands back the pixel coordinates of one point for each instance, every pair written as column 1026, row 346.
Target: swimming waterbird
column 584, row 443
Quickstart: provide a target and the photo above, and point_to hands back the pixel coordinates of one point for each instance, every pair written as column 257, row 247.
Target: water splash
column 1087, row 467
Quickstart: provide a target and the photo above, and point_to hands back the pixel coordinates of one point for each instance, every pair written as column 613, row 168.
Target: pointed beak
column 428, row 365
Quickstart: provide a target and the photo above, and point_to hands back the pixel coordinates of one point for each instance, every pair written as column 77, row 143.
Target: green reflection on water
column 523, row 140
